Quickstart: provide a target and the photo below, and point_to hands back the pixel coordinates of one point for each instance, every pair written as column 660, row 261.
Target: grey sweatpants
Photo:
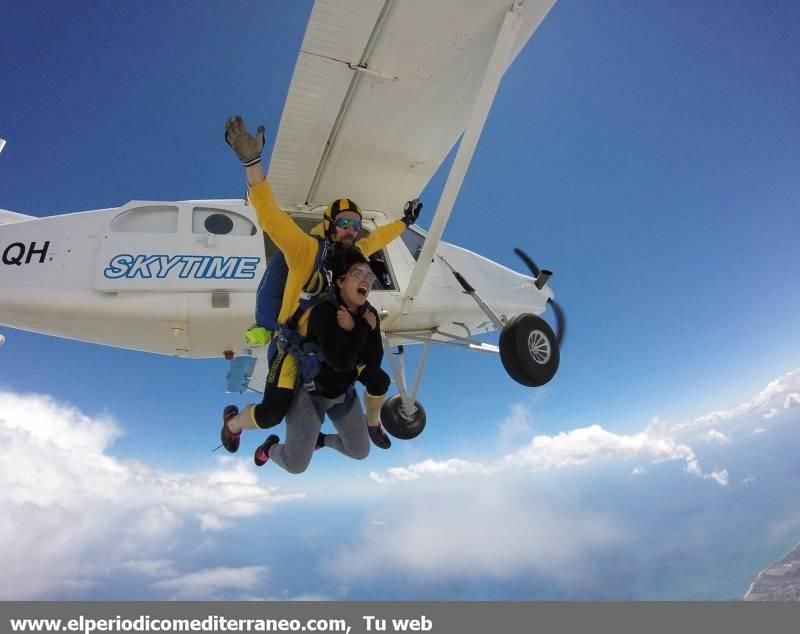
column 304, row 422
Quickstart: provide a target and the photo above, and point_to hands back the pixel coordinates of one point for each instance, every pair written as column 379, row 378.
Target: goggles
column 348, row 223
column 362, row 273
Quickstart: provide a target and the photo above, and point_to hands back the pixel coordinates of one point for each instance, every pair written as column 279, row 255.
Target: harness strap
column 320, row 280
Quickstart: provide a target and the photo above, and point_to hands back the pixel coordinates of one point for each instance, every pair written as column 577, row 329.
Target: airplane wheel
column 529, row 350
column 397, row 423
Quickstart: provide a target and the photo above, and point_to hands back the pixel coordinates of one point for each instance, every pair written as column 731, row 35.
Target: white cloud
column 465, row 517
column 720, row 477
column 83, row 511
column 714, row 436
column 659, row 442
column 475, row 529
column 587, row 444
column 150, row 567
column 784, row 389
column 451, row 467
column 214, row 583
column 515, row 428
column 212, row 522
column 566, row 449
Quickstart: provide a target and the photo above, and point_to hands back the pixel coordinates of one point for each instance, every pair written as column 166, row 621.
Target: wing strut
column 496, row 320
column 491, row 80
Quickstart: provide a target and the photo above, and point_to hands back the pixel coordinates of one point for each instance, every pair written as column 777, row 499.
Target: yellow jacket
column 300, row 249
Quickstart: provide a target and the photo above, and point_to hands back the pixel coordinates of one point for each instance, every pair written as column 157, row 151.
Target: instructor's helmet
column 334, row 209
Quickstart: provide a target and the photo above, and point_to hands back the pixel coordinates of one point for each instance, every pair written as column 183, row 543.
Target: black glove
column 411, row 211
column 247, row 147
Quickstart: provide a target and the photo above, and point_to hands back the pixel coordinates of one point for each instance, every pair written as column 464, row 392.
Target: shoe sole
column 229, row 412
column 271, row 440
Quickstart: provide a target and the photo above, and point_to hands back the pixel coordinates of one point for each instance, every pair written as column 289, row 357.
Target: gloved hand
column 247, row 148
column 411, row 211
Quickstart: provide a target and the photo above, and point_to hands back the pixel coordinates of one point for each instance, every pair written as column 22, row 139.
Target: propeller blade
column 561, row 321
column 527, row 259
column 561, row 318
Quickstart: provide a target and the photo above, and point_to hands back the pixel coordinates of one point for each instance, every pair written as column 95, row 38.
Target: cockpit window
column 149, row 219
column 378, row 261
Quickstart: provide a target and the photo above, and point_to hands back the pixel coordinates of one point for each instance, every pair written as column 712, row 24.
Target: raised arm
column 283, row 231
column 385, row 234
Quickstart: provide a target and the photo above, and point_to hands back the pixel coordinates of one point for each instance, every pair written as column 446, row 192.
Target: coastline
column 780, row 581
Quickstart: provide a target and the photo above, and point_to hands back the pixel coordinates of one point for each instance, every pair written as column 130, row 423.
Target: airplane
column 381, row 92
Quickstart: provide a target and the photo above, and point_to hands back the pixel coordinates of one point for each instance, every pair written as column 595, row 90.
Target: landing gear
column 402, row 416
column 529, row 350
column 398, row 423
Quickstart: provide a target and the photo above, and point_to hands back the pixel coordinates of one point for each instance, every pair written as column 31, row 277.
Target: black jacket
column 343, row 350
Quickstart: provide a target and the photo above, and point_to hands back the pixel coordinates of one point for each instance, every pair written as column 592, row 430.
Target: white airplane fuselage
column 180, row 278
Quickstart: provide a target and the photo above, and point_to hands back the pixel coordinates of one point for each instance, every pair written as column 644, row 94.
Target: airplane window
column 306, row 224
column 150, row 219
column 218, row 223
column 221, row 222
column 379, row 266
column 413, row 239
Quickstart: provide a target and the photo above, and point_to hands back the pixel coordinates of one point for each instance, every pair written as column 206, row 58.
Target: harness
column 319, row 288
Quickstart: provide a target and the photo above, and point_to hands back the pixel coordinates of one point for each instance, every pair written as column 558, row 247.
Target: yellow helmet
column 335, row 208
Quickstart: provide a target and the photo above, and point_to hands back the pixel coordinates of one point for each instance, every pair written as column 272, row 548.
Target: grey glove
column 247, row 148
column 411, row 211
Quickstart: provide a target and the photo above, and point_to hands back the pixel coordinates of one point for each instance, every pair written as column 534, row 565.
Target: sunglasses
column 348, row 223
column 361, row 273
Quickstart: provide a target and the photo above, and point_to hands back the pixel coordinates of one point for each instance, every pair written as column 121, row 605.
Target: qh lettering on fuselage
column 199, row 267
column 19, row 253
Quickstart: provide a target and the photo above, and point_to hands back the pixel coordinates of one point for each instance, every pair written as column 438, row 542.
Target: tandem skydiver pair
column 322, row 333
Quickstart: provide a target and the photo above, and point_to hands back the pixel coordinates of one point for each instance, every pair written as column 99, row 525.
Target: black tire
column 529, row 350
column 397, row 424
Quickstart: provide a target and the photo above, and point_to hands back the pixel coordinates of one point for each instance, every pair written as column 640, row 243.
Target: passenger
column 347, row 330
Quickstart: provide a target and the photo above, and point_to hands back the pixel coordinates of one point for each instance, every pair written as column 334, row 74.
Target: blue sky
column 644, row 152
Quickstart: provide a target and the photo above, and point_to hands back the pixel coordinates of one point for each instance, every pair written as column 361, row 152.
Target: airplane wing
column 381, row 92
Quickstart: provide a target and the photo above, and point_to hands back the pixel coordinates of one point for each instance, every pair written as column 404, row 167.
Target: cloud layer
column 533, row 513
column 69, row 510
column 656, row 443
column 554, row 509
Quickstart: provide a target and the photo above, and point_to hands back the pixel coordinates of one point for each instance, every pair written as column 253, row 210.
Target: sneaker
column 229, row 440
column 262, row 453
column 258, row 336
column 320, row 441
column 378, row 436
